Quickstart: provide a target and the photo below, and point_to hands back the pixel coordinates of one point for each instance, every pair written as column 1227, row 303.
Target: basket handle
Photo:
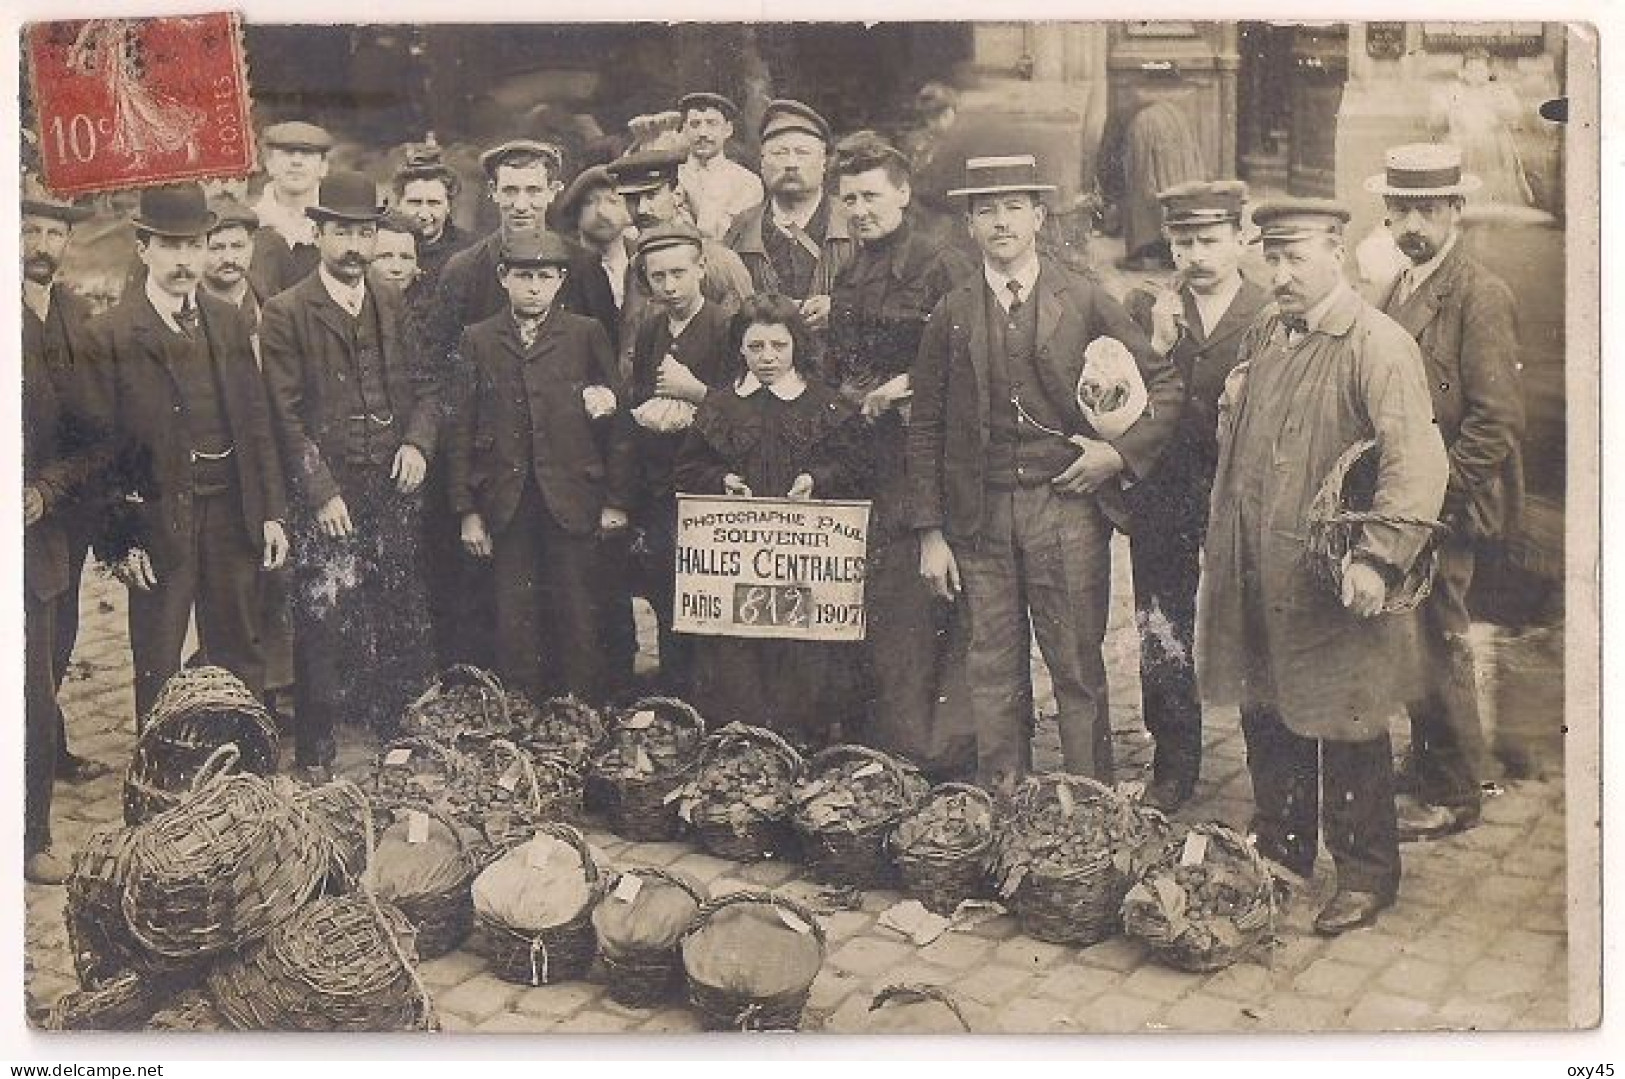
column 695, row 892
column 747, row 735
column 909, row 993
column 425, row 1001
column 681, row 710
column 523, row 760
column 750, row 895
column 219, row 763
column 573, row 836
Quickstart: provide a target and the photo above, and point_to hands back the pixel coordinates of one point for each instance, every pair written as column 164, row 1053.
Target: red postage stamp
column 129, row 102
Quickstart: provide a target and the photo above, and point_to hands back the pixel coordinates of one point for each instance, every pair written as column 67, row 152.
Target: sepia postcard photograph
column 908, row 527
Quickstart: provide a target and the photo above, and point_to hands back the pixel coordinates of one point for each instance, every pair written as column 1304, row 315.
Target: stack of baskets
column 653, row 747
column 739, row 799
column 1206, row 901
column 943, row 847
column 845, row 806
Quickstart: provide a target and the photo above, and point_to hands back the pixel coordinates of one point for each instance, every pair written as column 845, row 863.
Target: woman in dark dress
column 777, row 432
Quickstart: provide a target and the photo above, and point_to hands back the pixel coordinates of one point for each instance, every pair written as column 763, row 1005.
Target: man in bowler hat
column 357, row 412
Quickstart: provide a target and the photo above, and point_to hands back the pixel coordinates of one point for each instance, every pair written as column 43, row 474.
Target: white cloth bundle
column 1110, row 392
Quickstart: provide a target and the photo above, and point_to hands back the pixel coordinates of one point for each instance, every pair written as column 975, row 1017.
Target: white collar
column 38, row 298
column 290, row 221
column 1421, row 271
column 801, row 220
column 167, row 305
column 1316, row 315
column 1212, row 307
column 1026, row 275
column 677, row 327
column 349, row 297
column 714, row 165
column 789, row 386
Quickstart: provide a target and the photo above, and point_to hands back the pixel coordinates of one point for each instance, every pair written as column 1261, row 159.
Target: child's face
column 531, row 288
column 769, row 351
column 395, row 258
column 675, row 274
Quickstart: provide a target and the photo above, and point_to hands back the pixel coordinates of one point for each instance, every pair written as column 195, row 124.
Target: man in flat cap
column 357, row 412
column 796, row 241
column 530, row 483
column 1462, row 317
column 56, row 322
column 295, row 160
column 882, row 300
column 1318, row 671
column 717, row 189
column 1197, row 322
column 1013, row 490
column 230, row 248
column 593, row 216
column 426, row 188
column 198, row 488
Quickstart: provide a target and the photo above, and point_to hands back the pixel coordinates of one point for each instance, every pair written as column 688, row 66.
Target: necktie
column 186, row 317
column 527, row 331
column 1296, row 327
column 1015, row 295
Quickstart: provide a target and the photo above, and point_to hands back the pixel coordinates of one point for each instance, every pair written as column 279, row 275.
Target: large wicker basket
column 461, row 700
column 343, row 963
column 441, row 919
column 646, row 977
column 199, row 710
column 639, row 807
column 942, row 877
column 513, row 789
column 420, row 772
column 558, row 953
column 1335, row 528
column 124, row 1002
column 342, row 814
column 736, row 830
column 725, row 1008
column 857, row 856
column 1162, row 910
column 565, row 727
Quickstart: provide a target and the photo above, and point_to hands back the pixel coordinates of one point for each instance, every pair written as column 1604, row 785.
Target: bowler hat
column 533, row 247
column 644, row 170
column 785, row 115
column 670, row 234
column 230, row 213
column 1202, row 202
column 41, row 203
column 1285, row 220
column 1001, row 175
column 297, row 135
column 705, row 100
column 346, row 196
column 564, row 208
column 1422, row 170
column 497, row 156
column 174, row 210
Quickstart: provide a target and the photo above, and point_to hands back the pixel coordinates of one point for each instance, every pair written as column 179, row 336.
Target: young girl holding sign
column 777, row 433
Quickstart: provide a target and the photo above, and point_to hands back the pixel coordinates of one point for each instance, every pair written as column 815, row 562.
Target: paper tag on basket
column 873, row 768
column 642, row 763
column 793, row 920
column 510, row 779
column 639, row 721
column 397, row 756
column 1195, row 849
column 628, row 888
column 1063, row 794
column 674, row 794
column 539, row 856
column 417, row 826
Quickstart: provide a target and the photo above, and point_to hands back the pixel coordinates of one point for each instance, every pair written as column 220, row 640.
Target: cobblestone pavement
column 1478, row 938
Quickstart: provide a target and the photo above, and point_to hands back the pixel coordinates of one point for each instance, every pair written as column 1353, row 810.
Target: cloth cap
column 40, row 202
column 669, row 234
column 533, row 247
column 397, row 221
column 706, row 100
column 564, row 209
column 174, row 210
column 346, row 196
column 785, row 115
column 1289, row 219
column 998, row 175
column 497, row 155
column 1202, row 202
column 297, row 135
column 230, row 213
column 645, row 170
column 1422, row 170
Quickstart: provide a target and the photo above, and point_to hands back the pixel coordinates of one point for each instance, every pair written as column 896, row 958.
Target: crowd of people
column 355, row 443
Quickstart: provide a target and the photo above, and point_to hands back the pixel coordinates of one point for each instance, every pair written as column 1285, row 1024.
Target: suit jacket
column 275, row 266
column 949, row 428
column 136, row 398
column 62, row 344
column 705, row 348
column 745, row 237
column 1462, row 317
column 520, row 414
column 58, row 461
column 305, row 343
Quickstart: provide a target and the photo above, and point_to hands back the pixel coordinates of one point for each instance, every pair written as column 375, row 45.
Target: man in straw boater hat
column 1197, row 322
column 356, row 408
column 56, row 323
column 717, row 189
column 1012, row 490
column 198, row 493
column 1462, row 318
column 1318, row 671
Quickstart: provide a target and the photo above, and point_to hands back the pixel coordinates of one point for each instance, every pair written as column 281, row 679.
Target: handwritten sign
column 769, row 567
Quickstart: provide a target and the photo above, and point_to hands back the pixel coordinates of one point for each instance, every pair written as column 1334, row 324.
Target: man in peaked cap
column 1318, row 672
column 1462, row 317
column 796, row 241
column 230, row 250
column 716, row 188
column 532, row 483
column 295, row 160
column 198, row 487
column 357, row 412
column 56, row 322
column 1012, row 491
column 1197, row 323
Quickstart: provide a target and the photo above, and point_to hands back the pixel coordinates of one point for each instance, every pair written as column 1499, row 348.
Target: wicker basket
column 198, row 710
column 722, row 1008
column 222, row 869
column 1157, row 908
column 736, row 830
column 858, row 856
column 341, row 813
column 559, row 953
column 647, row 977
column 101, row 943
column 440, row 919
column 461, row 700
column 343, row 963
column 639, row 807
column 420, row 772
column 515, row 789
column 1081, row 903
column 121, row 1003
column 565, row 727
column 908, row 993
column 190, row 1013
column 940, row 877
column 1334, row 532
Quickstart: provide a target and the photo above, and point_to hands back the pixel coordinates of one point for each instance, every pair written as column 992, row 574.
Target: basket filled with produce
column 750, row 960
column 341, row 964
column 942, row 848
column 739, row 799
column 198, row 710
column 461, row 700
column 1207, row 901
column 533, row 908
column 652, row 748
column 1065, row 853
column 566, row 727
column 423, row 865
column 845, row 805
column 639, row 923
column 514, row 789
column 420, row 772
